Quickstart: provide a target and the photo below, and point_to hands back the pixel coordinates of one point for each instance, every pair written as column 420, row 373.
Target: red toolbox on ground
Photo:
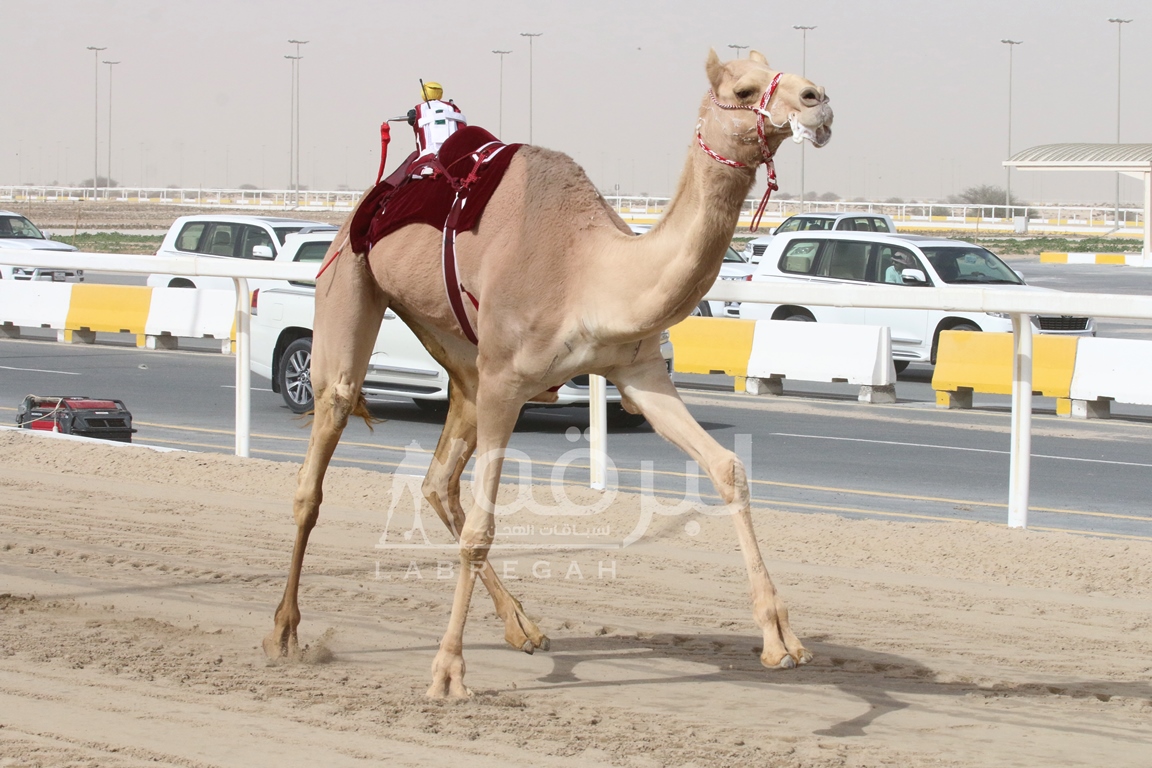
column 76, row 415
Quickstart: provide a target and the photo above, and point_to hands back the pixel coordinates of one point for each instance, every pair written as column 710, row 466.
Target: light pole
column 110, row 63
column 1008, row 172
column 803, row 73
column 501, row 54
column 292, row 123
column 1119, row 27
column 737, row 48
column 530, row 35
column 95, row 115
column 296, row 107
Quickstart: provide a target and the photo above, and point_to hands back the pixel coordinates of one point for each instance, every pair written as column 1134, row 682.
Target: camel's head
column 796, row 108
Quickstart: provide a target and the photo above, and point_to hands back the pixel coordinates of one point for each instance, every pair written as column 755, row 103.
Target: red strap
column 385, row 137
column 451, row 279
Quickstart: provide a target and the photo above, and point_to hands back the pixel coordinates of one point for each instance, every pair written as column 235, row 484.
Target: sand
column 136, row 587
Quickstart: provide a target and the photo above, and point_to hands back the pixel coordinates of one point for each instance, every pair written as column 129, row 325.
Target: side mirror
column 261, row 251
column 913, row 276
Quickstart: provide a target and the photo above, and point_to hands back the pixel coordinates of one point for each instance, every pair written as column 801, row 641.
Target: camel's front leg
column 647, row 386
column 442, row 489
column 349, row 309
column 497, row 419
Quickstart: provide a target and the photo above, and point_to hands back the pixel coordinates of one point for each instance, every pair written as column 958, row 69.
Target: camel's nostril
column 810, row 97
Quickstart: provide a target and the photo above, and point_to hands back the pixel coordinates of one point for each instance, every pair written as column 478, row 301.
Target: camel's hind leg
column 442, row 489
column 647, row 386
column 349, row 309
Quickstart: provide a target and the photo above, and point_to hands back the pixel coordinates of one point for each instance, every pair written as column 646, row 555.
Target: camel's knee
column 306, row 509
column 339, row 401
column 731, row 480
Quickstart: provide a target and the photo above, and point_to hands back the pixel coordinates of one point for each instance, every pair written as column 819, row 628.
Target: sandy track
column 137, row 586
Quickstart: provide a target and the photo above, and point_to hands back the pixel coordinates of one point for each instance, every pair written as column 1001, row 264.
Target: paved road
column 813, row 450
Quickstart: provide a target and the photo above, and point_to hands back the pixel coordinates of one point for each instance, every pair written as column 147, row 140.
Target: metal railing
column 1020, row 305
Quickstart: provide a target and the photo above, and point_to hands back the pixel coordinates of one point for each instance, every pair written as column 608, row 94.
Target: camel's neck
column 672, row 266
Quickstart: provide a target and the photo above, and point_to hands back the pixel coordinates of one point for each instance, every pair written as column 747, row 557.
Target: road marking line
column 37, row 370
column 958, row 448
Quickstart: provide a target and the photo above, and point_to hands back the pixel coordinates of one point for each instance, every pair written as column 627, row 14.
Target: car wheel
column 801, row 318
column 901, row 365
column 965, row 327
column 181, row 283
column 295, row 375
column 702, row 310
column 621, row 419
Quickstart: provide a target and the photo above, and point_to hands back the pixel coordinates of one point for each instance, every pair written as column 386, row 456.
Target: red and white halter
column 769, row 165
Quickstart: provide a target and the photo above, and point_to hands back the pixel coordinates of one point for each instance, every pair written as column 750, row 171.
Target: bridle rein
column 766, row 154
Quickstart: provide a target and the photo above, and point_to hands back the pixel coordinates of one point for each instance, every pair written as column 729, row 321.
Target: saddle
column 448, row 191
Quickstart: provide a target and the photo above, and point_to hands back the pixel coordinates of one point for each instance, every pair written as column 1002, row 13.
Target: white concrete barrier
column 33, row 304
column 192, row 313
column 1107, row 370
column 853, row 354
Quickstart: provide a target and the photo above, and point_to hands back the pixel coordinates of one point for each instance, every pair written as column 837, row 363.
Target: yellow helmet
column 433, row 90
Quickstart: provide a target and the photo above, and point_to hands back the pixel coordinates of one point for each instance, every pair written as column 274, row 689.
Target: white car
column 228, row 237
column 806, row 222
column 872, row 258
column 282, row 319
column 18, row 234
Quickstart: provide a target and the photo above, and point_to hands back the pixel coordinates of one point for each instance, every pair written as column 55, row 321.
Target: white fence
column 1020, row 305
column 941, row 215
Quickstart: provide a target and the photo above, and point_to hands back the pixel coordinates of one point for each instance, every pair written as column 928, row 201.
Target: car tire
column 968, row 327
column 800, row 318
column 702, row 310
column 295, row 375
column 622, row 419
column 901, row 365
column 181, row 283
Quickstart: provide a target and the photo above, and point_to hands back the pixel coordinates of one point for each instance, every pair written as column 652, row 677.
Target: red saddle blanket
column 400, row 199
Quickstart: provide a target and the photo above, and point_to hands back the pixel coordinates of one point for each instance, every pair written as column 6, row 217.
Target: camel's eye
column 745, row 94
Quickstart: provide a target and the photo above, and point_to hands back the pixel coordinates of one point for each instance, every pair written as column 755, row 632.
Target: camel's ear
column 757, row 56
column 714, row 69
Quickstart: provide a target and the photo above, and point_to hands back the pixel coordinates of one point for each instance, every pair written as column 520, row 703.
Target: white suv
column 805, row 222
column 872, row 258
column 282, row 320
column 17, row 235
column 229, row 237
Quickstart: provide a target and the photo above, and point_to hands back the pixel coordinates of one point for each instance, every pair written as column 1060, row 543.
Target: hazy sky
column 202, row 91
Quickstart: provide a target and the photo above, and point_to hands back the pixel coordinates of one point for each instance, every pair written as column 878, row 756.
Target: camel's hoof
column 522, row 634
column 545, row 644
column 803, row 656
column 276, row 646
column 448, row 677
column 786, row 662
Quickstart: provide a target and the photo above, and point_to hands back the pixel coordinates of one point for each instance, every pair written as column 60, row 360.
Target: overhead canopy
column 1133, row 160
column 1136, row 158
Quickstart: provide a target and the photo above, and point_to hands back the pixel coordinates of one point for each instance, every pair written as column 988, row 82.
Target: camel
column 562, row 288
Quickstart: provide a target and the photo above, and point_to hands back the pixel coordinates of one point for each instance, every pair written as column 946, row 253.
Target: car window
column 190, row 236
column 817, row 224
column 313, row 251
column 18, row 226
column 732, row 256
column 799, row 257
column 891, row 261
column 283, row 232
column 846, row 260
column 221, row 240
column 791, row 225
column 970, row 264
column 880, row 225
column 254, row 236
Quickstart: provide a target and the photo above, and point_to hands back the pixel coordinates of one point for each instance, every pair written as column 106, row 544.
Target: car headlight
column 1004, row 315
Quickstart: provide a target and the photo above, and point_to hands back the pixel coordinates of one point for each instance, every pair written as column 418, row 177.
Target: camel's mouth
column 820, row 135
